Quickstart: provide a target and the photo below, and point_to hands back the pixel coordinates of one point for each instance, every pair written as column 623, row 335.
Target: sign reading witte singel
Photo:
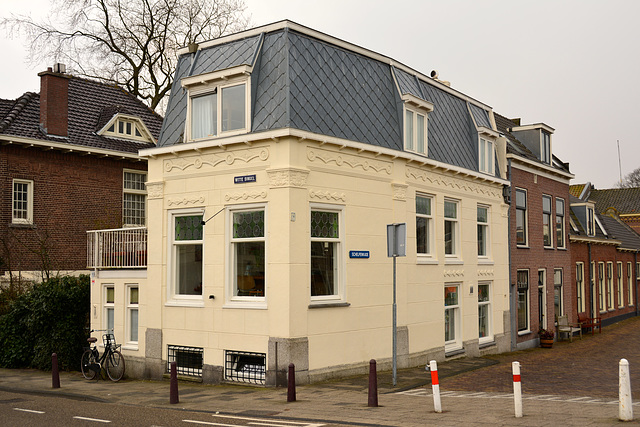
column 358, row 254
column 244, row 179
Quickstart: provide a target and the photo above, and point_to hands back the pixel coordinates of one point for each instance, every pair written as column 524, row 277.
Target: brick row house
column 604, row 250
column 69, row 163
column 540, row 259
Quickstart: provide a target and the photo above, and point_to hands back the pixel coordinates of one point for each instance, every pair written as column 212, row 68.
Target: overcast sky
column 573, row 65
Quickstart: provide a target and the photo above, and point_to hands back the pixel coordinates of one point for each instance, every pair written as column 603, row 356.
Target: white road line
column 208, row 423
column 97, row 420
column 28, row 410
column 280, row 422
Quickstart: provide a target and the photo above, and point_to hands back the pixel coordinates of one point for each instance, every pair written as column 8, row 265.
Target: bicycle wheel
column 115, row 365
column 87, row 363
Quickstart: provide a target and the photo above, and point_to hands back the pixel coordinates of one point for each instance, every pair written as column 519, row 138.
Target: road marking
column 28, row 410
column 273, row 422
column 98, row 420
column 208, row 423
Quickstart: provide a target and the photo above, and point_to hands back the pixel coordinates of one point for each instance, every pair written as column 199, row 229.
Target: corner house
column 284, row 155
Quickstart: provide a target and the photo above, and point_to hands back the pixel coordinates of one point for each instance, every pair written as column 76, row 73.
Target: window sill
column 549, row 248
column 184, row 303
column 320, row 304
column 522, row 333
column 562, row 249
column 22, row 225
column 523, row 247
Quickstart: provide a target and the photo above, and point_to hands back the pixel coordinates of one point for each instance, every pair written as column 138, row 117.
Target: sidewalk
column 482, row 384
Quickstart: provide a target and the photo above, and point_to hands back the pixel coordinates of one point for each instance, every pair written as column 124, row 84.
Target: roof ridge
column 18, row 106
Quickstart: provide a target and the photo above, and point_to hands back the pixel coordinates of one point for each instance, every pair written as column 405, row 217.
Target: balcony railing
column 117, row 248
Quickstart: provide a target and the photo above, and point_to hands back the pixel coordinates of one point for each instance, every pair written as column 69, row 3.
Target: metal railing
column 117, row 248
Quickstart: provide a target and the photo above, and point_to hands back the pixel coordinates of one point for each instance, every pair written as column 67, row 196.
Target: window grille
column 245, row 367
column 188, row 360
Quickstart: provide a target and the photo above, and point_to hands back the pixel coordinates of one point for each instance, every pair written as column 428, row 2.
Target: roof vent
column 434, row 76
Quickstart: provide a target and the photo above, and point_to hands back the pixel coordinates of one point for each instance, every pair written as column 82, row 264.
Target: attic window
column 545, row 147
column 127, row 128
column 486, row 156
column 415, row 123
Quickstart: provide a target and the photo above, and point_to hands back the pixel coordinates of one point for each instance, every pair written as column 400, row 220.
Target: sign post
column 396, row 246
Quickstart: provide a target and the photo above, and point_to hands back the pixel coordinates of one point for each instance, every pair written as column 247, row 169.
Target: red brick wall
column 54, row 103
column 535, row 257
column 72, row 194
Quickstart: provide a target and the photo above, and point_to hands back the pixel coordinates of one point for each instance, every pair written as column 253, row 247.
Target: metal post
column 373, row 384
column 173, row 387
column 291, row 384
column 395, row 330
column 55, row 374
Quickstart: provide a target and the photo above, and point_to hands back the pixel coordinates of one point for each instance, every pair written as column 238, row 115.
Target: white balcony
column 117, row 248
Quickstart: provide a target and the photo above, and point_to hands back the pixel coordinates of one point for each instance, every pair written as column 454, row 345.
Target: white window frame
column 591, row 224
column 542, row 291
column 245, row 301
column 415, row 107
column 525, row 219
column 216, row 82
column 545, row 147
column 340, row 276
column 602, row 304
column 486, row 156
column 558, row 290
column 173, row 297
column 125, row 191
column 580, row 295
column 131, row 308
column 455, row 310
column 489, row 336
column 547, row 214
column 429, row 218
column 630, row 282
column 620, row 293
column 113, row 128
column 527, row 293
column 455, row 240
column 561, row 240
column 17, row 219
column 610, row 305
column 487, row 232
column 108, row 306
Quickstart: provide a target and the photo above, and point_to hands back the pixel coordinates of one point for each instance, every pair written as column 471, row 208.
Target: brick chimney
column 54, row 100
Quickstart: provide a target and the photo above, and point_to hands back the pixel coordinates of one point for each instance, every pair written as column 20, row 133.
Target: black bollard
column 373, row 385
column 291, row 389
column 173, row 390
column 55, row 375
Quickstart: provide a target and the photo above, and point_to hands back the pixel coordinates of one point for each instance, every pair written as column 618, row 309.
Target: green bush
column 50, row 318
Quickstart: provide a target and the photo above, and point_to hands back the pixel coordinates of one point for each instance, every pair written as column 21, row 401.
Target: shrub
column 50, row 318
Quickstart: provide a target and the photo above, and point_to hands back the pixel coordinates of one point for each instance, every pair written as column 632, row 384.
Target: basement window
column 245, row 367
column 189, row 360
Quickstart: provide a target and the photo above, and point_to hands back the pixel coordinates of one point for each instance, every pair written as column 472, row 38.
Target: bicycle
column 111, row 360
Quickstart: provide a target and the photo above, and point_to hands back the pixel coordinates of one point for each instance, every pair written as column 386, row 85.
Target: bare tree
column 631, row 180
column 130, row 43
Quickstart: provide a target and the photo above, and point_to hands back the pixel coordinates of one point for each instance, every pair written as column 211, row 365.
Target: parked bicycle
column 111, row 360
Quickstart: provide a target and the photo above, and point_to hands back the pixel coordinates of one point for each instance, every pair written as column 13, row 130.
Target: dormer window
column 591, row 226
column 127, row 127
column 415, row 123
column 545, row 147
column 218, row 103
column 486, row 156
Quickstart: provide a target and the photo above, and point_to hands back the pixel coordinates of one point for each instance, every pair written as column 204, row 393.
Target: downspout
column 591, row 285
column 512, row 286
column 635, row 282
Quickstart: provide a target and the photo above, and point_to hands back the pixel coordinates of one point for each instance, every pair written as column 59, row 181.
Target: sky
column 570, row 64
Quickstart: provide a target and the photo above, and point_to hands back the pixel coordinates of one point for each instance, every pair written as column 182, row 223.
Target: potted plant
column 546, row 338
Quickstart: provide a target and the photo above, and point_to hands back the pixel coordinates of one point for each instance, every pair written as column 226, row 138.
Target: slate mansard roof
column 90, row 106
column 305, row 80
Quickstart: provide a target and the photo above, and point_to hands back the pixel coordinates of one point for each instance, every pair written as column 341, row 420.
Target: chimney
column 54, row 100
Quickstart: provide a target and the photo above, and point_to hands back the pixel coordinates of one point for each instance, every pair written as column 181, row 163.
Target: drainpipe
column 591, row 285
column 635, row 282
column 512, row 286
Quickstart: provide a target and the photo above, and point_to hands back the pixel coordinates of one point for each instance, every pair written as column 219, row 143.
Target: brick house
column 623, row 203
column 68, row 164
column 540, row 260
column 604, row 252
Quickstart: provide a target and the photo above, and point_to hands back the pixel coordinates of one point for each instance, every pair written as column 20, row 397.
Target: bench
column 590, row 322
column 569, row 328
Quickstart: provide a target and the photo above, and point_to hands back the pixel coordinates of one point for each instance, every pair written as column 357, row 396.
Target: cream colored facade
column 296, row 172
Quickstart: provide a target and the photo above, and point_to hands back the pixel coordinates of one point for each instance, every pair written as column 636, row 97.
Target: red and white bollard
column 517, row 389
column 625, row 403
column 435, row 386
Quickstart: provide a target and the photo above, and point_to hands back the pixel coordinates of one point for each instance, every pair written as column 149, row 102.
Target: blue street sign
column 358, row 254
column 244, row 179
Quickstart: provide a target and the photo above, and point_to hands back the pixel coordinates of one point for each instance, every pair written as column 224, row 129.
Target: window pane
column 133, row 332
column 482, row 214
column 120, row 126
column 482, row 155
column 248, row 224
column 110, row 318
column 233, row 108
column 20, row 200
column 324, row 224
column 483, row 293
column 249, row 268
column 323, row 268
column 559, row 207
column 423, row 205
column 188, row 227
column 110, row 296
column 408, row 130
column 450, row 210
column 490, row 157
column 546, row 204
column 128, row 128
column 189, row 269
column 483, row 320
column 449, row 325
column 449, row 238
column 422, row 235
column 420, row 132
column 523, row 314
column 135, row 181
column 450, row 295
column 203, row 116
column 134, row 209
column 133, row 295
column 482, row 239
column 521, row 236
column 521, row 199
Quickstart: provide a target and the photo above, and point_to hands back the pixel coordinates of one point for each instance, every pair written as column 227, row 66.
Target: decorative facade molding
column 488, row 272
column 453, row 273
column 247, row 195
column 213, row 160
column 353, row 161
column 155, row 190
column 327, row 195
column 185, row 201
column 450, row 182
column 287, row 177
column 399, row 191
